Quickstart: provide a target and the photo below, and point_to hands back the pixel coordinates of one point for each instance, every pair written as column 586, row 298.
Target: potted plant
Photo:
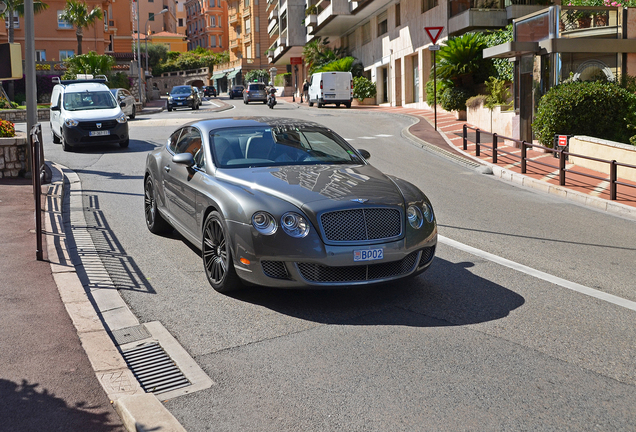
column 364, row 91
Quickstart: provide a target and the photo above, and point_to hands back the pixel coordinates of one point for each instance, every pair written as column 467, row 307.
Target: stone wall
column 13, row 155
column 20, row 115
column 495, row 121
column 606, row 150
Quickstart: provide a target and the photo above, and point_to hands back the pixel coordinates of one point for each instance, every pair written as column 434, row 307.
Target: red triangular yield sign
column 434, row 33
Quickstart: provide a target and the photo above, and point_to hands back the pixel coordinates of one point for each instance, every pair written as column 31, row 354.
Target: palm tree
column 76, row 13
column 461, row 58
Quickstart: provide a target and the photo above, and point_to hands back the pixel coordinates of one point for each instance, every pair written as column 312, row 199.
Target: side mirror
column 122, row 104
column 365, row 154
column 55, row 108
column 184, row 159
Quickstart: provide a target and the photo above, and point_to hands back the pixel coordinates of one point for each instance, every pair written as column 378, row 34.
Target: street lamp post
column 146, row 38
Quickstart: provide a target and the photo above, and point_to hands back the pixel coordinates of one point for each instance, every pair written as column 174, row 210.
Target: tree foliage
column 461, row 60
column 91, row 63
column 196, row 59
column 258, row 75
column 504, row 68
column 317, row 54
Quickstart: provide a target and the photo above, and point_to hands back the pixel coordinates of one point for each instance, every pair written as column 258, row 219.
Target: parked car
column 236, row 91
column 84, row 112
column 255, row 92
column 200, row 94
column 126, row 101
column 183, row 96
column 209, row 91
column 285, row 203
column 331, row 88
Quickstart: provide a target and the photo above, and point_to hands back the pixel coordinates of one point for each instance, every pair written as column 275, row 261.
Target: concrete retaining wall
column 603, row 149
column 496, row 121
column 13, row 155
column 20, row 115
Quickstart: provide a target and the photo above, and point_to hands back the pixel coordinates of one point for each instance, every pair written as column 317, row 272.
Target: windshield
column 89, row 100
column 181, row 90
column 288, row 145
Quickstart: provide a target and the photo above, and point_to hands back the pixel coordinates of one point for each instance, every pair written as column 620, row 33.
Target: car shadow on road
column 448, row 294
column 135, row 146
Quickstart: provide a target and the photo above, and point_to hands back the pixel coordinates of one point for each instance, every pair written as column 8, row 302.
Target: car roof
column 208, row 125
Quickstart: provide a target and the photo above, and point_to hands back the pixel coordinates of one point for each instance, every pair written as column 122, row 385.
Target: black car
column 209, row 91
column 236, row 91
column 183, row 96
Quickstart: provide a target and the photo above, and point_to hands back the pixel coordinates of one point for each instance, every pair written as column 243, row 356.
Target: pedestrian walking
column 306, row 90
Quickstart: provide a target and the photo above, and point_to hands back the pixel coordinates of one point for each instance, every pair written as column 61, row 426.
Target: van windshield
column 88, row 100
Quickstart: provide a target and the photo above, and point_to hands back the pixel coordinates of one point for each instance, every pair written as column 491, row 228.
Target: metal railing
column 560, row 153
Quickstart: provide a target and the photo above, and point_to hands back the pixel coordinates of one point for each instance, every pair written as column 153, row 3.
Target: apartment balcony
column 272, row 27
column 235, row 44
column 467, row 15
column 337, row 17
column 247, row 12
column 273, row 14
column 247, row 37
column 234, row 19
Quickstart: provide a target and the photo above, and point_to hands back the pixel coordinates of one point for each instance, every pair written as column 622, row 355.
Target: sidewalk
column 46, row 381
column 448, row 139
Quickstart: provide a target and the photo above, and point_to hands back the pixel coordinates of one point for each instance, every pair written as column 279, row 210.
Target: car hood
column 320, row 187
column 94, row 115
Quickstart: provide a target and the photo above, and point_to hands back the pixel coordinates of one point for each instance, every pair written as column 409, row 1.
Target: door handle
column 166, row 168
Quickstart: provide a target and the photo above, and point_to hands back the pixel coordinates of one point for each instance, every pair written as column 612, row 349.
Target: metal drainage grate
column 154, row 369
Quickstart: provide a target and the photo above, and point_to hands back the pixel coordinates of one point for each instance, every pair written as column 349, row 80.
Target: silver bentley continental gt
column 286, row 203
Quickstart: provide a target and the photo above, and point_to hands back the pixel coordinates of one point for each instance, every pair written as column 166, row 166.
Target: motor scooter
column 271, row 98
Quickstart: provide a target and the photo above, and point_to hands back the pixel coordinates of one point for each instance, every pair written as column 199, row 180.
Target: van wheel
column 320, row 105
column 66, row 146
column 311, row 104
column 54, row 137
column 348, row 104
column 337, row 105
column 124, row 144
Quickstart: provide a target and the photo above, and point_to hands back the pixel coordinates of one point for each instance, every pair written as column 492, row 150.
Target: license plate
column 330, row 95
column 99, row 133
column 179, row 103
column 368, row 254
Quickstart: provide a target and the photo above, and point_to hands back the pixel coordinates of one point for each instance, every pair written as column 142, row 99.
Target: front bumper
column 326, row 266
column 85, row 134
column 181, row 104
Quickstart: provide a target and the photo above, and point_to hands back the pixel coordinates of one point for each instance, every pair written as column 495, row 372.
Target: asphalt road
column 468, row 345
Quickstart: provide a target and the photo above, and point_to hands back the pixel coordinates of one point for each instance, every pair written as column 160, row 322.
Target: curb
column 532, row 183
column 138, row 410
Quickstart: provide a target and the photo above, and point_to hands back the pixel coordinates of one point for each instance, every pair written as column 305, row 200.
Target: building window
column 398, row 18
column 16, row 20
column 40, row 55
column 248, row 27
column 256, row 24
column 213, row 41
column 61, row 24
column 366, row 33
column 180, row 22
column 220, row 21
column 382, row 23
column 428, row 5
column 212, row 21
column 151, row 16
column 64, row 54
column 257, row 53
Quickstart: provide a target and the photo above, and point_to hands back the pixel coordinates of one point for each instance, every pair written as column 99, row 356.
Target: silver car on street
column 286, row 203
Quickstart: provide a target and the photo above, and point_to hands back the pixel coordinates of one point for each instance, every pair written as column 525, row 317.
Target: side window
column 189, row 141
column 172, row 141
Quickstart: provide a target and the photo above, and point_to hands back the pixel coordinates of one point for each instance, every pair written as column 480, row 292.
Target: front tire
column 124, row 144
column 55, row 138
column 134, row 113
column 154, row 221
column 217, row 256
column 66, row 146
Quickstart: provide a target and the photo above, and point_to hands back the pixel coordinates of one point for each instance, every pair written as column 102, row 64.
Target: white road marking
column 628, row 304
column 366, row 137
column 384, row 136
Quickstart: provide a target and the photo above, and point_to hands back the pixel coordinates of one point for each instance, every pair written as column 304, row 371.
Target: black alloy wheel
column 154, row 221
column 217, row 257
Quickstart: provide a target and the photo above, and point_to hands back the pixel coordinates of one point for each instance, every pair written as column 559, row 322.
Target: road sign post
column 434, row 33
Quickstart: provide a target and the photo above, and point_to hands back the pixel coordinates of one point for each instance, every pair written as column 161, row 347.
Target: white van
column 331, row 88
column 85, row 112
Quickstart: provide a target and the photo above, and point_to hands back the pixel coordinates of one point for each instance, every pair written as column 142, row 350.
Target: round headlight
column 294, row 224
column 428, row 212
column 264, row 223
column 69, row 122
column 122, row 118
column 414, row 215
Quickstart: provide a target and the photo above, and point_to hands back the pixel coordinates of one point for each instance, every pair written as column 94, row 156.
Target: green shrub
column 454, row 98
column 364, row 88
column 441, row 86
column 601, row 110
column 118, row 80
column 476, row 101
column 498, row 93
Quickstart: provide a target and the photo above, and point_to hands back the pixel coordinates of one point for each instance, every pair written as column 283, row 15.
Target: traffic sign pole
column 434, row 33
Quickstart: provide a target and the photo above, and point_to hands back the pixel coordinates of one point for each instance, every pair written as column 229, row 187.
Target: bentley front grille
column 427, row 256
column 361, row 224
column 370, row 272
